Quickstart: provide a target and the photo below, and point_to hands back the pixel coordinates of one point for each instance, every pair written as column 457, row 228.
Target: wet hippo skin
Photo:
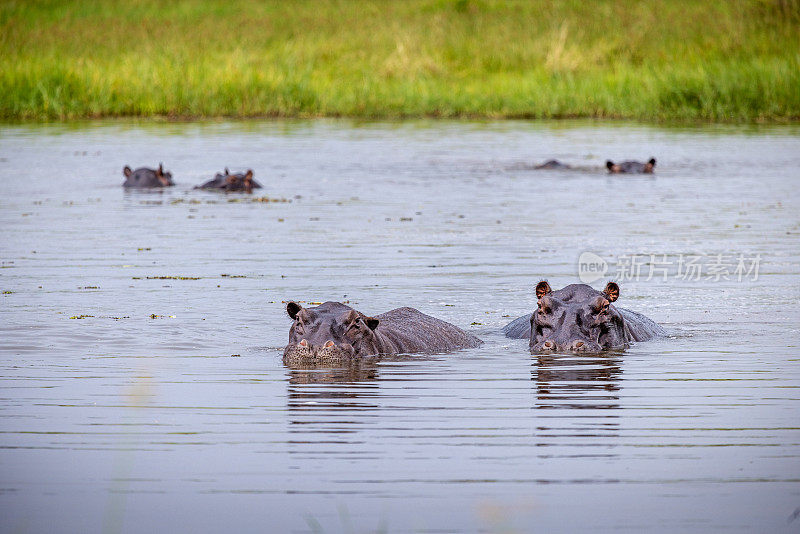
column 226, row 181
column 146, row 177
column 578, row 318
column 334, row 333
column 631, row 167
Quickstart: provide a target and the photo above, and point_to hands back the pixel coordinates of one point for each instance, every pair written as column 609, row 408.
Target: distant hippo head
column 232, row 182
column 328, row 333
column 576, row 318
column 631, row 167
column 145, row 177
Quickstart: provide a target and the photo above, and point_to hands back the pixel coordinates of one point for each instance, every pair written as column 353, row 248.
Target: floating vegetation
column 171, row 278
column 258, row 199
column 235, row 200
column 141, row 249
column 81, row 316
column 89, row 287
column 154, row 316
column 7, row 292
column 233, row 276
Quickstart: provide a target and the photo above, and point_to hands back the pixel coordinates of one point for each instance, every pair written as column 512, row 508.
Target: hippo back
column 413, row 331
column 519, row 328
column 639, row 327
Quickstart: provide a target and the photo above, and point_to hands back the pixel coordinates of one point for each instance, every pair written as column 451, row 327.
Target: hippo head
column 328, row 333
column 239, row 182
column 145, row 177
column 235, row 182
column 576, row 318
column 631, row 166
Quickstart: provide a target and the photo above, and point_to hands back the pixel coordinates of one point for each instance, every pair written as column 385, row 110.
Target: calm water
column 131, row 402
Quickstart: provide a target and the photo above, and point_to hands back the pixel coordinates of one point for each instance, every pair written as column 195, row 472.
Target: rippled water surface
column 141, row 333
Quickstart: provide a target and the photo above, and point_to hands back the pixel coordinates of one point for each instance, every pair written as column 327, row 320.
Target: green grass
column 660, row 60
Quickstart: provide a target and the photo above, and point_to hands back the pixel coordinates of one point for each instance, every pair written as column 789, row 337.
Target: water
column 131, row 403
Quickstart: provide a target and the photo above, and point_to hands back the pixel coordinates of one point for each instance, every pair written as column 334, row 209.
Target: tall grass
column 715, row 60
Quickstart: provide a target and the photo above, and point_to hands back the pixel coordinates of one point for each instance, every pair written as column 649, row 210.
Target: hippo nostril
column 328, row 344
column 549, row 345
column 303, row 343
column 578, row 344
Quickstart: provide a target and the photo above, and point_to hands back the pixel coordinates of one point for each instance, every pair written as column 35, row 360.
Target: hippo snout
column 576, row 345
column 581, row 345
column 327, row 352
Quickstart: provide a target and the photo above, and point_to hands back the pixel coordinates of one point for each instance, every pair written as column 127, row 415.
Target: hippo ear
column 542, row 289
column 611, row 291
column 163, row 177
column 227, row 172
column 249, row 174
column 126, row 171
column 293, row 308
column 609, row 164
column 652, row 162
column 372, row 322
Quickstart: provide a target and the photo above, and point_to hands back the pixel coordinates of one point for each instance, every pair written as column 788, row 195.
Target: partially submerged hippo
column 631, row 167
column 146, row 177
column 242, row 181
column 578, row 318
column 552, row 164
column 334, row 333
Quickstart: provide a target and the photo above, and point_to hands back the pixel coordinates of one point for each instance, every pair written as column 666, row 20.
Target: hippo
column 631, row 167
column 232, row 182
column 578, row 318
column 552, row 164
column 334, row 333
column 146, row 177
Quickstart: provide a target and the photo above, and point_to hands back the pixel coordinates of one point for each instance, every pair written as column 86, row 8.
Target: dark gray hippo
column 228, row 182
column 552, row 164
column 146, row 177
column 334, row 333
column 631, row 167
column 578, row 318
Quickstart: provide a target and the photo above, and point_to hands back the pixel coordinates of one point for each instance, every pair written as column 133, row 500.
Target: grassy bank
column 715, row 60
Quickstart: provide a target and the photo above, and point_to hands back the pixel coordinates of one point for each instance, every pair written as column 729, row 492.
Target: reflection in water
column 317, row 393
column 574, row 381
column 355, row 372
